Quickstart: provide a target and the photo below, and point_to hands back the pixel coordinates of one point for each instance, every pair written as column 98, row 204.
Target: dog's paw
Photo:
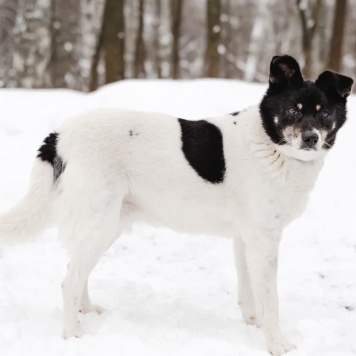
column 249, row 314
column 92, row 308
column 280, row 347
column 252, row 320
column 72, row 332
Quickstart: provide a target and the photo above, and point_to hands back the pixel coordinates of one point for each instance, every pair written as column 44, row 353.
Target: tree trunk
column 32, row 44
column 139, row 65
column 256, row 41
column 8, row 11
column 114, row 40
column 226, row 37
column 213, row 38
column 156, row 40
column 322, row 37
column 309, row 25
column 64, row 30
column 94, row 77
column 337, row 39
column 90, row 28
column 165, row 43
column 176, row 20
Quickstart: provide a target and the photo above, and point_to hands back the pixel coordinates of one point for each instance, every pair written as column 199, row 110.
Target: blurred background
column 83, row 44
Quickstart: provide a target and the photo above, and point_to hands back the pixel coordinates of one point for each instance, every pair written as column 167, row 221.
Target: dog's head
column 303, row 117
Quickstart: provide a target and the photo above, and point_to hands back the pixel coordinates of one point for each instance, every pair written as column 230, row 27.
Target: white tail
column 32, row 213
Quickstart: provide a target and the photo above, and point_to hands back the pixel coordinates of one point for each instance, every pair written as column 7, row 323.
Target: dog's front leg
column 261, row 252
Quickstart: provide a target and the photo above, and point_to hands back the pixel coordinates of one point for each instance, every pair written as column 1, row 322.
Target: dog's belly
column 193, row 217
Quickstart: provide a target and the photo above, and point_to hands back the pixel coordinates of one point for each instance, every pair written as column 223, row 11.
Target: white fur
column 123, row 167
column 31, row 214
column 294, row 143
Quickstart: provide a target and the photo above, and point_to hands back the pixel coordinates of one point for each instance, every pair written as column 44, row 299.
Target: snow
column 167, row 293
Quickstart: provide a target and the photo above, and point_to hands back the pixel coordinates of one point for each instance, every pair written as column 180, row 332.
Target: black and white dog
column 245, row 175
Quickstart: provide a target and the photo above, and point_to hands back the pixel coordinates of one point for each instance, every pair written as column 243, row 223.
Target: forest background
column 83, row 44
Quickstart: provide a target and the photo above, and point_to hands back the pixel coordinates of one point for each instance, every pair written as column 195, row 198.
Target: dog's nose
column 310, row 139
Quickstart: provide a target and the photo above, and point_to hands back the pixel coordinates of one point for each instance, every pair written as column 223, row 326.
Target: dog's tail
column 32, row 213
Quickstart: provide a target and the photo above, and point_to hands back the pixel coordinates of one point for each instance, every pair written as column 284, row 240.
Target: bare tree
column 94, row 75
column 90, row 25
column 139, row 65
column 32, row 44
column 337, row 39
column 64, row 30
column 176, row 20
column 256, row 40
column 114, row 40
column 8, row 11
column 322, row 38
column 156, row 40
column 213, row 38
column 309, row 24
column 165, row 38
column 226, row 39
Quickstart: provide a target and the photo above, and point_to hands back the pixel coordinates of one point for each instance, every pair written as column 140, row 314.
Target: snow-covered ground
column 167, row 293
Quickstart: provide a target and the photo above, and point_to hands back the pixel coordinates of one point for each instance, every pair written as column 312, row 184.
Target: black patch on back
column 235, row 113
column 202, row 145
column 48, row 153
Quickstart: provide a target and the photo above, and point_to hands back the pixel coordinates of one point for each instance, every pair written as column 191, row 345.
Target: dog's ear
column 332, row 83
column 285, row 73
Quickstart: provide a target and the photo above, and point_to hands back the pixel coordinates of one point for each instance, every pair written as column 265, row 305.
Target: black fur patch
column 202, row 145
column 48, row 153
column 235, row 113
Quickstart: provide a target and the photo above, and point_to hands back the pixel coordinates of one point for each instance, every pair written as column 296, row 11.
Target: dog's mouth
column 302, row 145
column 308, row 148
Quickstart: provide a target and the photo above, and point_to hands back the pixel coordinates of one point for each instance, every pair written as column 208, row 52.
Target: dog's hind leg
column 245, row 296
column 127, row 217
column 82, row 262
column 86, row 306
column 93, row 236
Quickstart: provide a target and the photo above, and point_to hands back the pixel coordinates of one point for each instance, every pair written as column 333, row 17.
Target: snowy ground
column 166, row 293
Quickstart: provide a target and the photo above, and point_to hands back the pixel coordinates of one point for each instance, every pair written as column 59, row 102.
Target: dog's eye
column 324, row 114
column 292, row 110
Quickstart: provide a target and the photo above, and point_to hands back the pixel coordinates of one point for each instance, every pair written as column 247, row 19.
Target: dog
column 245, row 175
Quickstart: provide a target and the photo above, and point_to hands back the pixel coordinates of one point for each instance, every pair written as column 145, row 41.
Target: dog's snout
column 310, row 139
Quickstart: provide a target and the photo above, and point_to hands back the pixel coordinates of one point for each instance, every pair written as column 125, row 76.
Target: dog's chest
column 299, row 182
column 277, row 200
